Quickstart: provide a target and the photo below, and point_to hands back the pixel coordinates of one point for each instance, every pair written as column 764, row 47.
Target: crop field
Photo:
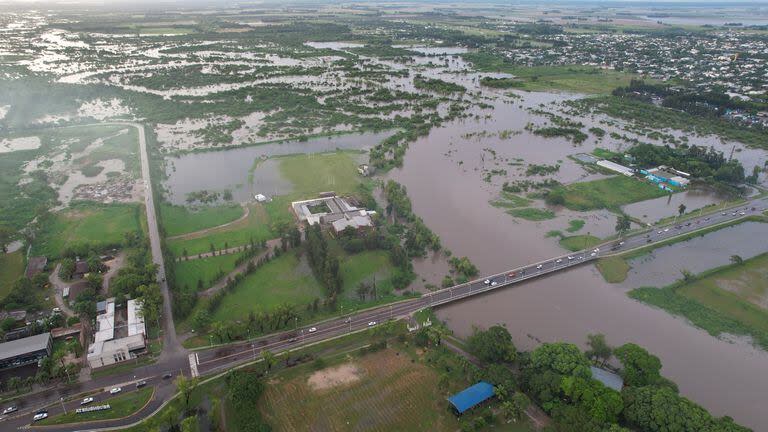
column 286, row 279
column 383, row 391
column 188, row 273
column 610, row 193
column 96, row 224
column 257, row 226
column 11, row 268
column 179, row 220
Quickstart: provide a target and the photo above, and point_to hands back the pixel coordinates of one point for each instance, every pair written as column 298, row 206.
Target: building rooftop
column 135, row 319
column 105, row 323
column 471, row 396
column 130, row 343
column 26, row 345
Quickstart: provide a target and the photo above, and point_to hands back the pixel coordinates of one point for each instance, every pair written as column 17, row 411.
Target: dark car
column 167, row 375
column 141, row 384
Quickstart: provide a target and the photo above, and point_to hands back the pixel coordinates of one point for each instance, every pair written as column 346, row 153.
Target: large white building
column 108, row 349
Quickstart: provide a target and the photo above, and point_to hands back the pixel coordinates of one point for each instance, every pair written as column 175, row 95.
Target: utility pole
column 62, row 405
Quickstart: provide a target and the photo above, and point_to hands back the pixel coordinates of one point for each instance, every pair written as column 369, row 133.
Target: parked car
column 115, row 390
column 86, row 401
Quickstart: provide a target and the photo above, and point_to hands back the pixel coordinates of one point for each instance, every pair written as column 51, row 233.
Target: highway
column 208, row 361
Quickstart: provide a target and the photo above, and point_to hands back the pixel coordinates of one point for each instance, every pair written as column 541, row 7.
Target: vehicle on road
column 312, row 329
column 293, row 339
column 167, row 375
column 538, row 267
column 372, row 323
column 56, row 310
column 621, row 243
column 570, row 258
column 10, row 409
column 666, row 229
column 40, row 415
column 115, row 390
column 494, row 283
column 511, row 275
column 559, row 260
column 86, row 401
column 593, row 254
column 659, row 232
column 487, row 281
column 141, row 384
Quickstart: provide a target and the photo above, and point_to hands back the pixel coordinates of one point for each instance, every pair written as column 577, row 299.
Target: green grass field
column 579, row 242
column 531, row 214
column 258, row 225
column 610, row 193
column 729, row 299
column 122, row 406
column 285, row 279
column 182, row 220
column 187, row 273
column 96, row 224
column 362, row 267
column 320, row 172
column 614, row 269
column 388, row 390
column 11, row 268
column 124, row 147
column 576, row 79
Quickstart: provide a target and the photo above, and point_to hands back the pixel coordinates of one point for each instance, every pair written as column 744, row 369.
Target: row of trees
column 418, row 238
column 324, row 262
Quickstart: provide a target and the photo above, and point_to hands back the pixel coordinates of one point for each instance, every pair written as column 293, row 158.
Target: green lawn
column 258, row 226
column 610, row 193
column 532, row 214
column 614, row 269
column 11, row 268
column 187, row 273
column 577, row 79
column 579, row 242
column 283, row 280
column 181, row 220
column 100, row 225
column 320, row 172
column 122, row 406
column 362, row 267
column 723, row 300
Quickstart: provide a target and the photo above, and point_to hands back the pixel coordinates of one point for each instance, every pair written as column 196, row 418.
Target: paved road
column 172, row 348
column 216, row 359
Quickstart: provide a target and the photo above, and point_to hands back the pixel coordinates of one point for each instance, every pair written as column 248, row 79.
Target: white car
column 372, row 323
column 39, row 416
column 9, row 410
column 494, row 283
column 596, row 250
column 487, row 281
column 115, row 390
column 559, row 260
column 593, row 254
column 621, row 243
column 659, row 232
column 86, row 401
column 570, row 258
column 666, row 229
column 538, row 267
column 312, row 329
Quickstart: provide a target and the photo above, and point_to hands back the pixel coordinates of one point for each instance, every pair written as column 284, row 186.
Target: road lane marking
column 193, row 366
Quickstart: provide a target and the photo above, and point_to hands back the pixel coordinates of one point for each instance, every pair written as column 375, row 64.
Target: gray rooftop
column 26, row 345
column 608, row 378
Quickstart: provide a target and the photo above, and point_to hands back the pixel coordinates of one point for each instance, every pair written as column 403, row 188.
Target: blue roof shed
column 471, row 396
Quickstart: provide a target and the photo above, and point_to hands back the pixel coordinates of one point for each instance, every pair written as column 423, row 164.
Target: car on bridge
column 539, row 267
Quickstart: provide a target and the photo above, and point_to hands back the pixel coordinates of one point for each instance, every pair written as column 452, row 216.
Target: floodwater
column 663, row 266
column 652, row 210
column 233, row 169
column 444, row 172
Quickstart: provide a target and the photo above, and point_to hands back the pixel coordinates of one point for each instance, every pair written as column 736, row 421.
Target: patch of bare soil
column 333, row 377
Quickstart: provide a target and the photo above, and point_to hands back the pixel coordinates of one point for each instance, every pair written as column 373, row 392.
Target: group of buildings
column 333, row 212
column 665, row 177
column 119, row 334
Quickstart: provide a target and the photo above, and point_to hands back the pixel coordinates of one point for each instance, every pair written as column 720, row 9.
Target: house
column 81, row 269
column 471, row 397
column 115, row 343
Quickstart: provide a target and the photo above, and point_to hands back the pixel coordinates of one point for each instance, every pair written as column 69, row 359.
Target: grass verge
column 579, row 242
column 614, row 269
column 121, row 406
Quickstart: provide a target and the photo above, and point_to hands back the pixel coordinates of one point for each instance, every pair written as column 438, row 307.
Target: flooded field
column 247, row 171
column 652, row 210
column 661, row 267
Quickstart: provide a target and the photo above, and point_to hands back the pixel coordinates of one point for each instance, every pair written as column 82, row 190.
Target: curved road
column 211, row 360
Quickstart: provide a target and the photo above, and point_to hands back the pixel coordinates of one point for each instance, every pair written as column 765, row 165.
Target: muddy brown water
column 444, row 176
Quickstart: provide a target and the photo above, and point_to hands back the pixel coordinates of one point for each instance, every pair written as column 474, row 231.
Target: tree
column 651, row 408
column 736, row 259
column 681, row 209
column 598, row 348
column 269, row 359
column 640, row 368
column 600, row 402
column 170, row 416
column 201, row 320
column 562, row 358
column 6, row 236
column 186, row 386
column 362, row 290
column 151, row 303
column 493, row 345
column 67, row 269
column 623, row 224
column 189, row 424
column 94, row 281
column 501, row 376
